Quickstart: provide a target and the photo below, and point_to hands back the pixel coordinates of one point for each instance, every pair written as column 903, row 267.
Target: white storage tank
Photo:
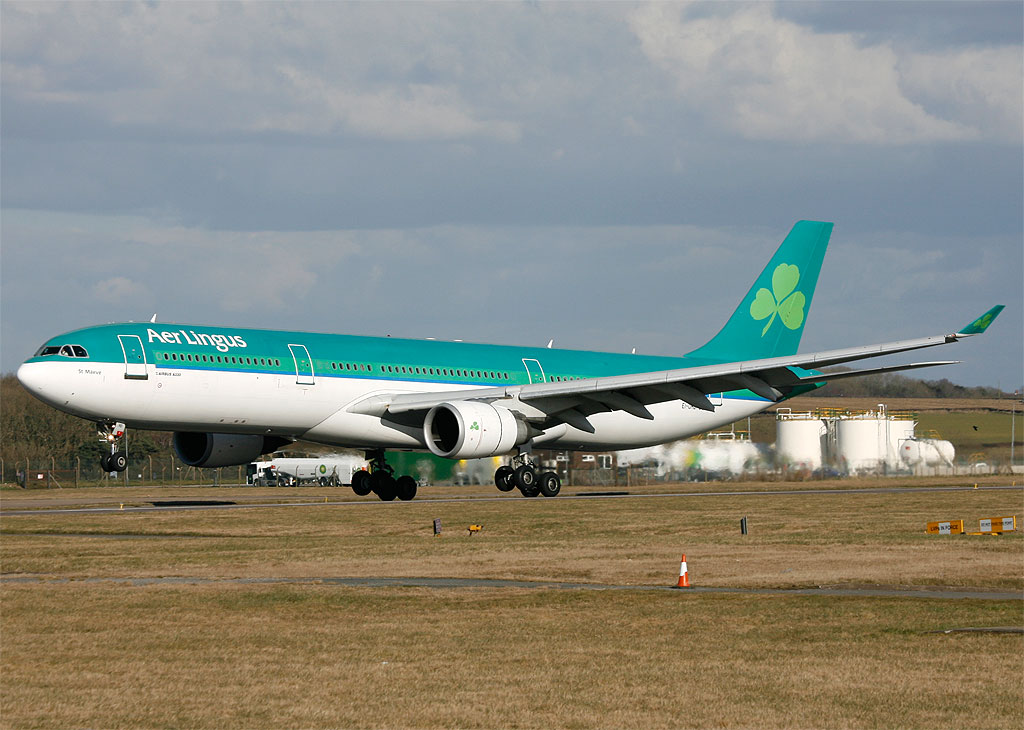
column 861, row 443
column 798, row 440
column 927, row 452
column 899, row 432
column 732, row 457
column 872, row 440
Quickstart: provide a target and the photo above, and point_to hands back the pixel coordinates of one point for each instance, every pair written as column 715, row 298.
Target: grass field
column 83, row 648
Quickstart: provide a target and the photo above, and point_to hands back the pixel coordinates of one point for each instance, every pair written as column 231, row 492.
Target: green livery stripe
column 176, row 347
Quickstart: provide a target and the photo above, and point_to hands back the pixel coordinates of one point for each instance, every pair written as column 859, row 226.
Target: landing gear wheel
column 105, row 463
column 405, row 488
column 384, row 485
column 525, row 477
column 550, row 485
column 503, row 478
column 118, row 461
column 531, row 491
column 361, row 483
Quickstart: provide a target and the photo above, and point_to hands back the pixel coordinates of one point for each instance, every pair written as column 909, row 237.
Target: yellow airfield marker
column 950, row 527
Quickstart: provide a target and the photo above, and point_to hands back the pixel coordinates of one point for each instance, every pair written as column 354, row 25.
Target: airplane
column 231, row 395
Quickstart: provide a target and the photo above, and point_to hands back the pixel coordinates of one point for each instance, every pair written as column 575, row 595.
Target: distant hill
column 893, row 385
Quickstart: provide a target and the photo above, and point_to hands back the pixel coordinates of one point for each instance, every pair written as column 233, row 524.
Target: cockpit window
column 66, row 350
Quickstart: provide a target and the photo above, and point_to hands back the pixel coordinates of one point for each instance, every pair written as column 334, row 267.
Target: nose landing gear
column 111, row 433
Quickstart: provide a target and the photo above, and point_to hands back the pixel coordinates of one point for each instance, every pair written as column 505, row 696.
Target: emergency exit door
column 134, row 357
column 303, row 365
column 534, row 370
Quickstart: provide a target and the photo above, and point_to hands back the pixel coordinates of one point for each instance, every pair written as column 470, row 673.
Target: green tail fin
column 770, row 319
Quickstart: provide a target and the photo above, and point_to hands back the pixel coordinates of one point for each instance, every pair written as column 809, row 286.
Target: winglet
column 981, row 323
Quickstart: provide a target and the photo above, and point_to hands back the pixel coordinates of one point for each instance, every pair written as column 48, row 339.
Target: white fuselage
column 261, row 403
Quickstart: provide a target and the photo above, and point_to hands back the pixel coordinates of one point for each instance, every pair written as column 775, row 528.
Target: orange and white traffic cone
column 684, row 576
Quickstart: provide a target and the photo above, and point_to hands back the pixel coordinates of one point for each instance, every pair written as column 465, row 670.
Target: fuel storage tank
column 799, row 439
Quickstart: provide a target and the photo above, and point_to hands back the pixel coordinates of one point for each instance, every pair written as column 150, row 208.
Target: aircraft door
column 534, row 370
column 303, row 365
column 134, row 357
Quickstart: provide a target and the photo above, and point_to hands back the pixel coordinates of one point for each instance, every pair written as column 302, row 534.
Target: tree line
column 30, row 429
column 894, row 385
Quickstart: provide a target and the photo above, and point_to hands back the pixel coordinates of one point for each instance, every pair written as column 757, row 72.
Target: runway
column 478, row 583
column 237, row 502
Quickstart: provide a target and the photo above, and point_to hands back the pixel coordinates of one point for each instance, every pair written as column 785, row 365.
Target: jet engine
column 223, row 449
column 472, row 430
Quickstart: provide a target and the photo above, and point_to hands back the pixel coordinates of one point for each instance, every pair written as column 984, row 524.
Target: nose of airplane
column 38, row 379
column 29, row 376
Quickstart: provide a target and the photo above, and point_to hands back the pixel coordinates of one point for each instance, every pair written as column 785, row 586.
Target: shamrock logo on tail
column 782, row 300
column 982, row 322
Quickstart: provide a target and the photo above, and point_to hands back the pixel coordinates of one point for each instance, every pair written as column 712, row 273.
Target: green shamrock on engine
column 782, row 300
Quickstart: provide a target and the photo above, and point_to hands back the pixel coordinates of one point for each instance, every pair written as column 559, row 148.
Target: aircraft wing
column 573, row 401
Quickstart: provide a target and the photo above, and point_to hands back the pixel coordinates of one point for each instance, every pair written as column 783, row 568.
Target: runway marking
column 536, row 500
column 456, row 583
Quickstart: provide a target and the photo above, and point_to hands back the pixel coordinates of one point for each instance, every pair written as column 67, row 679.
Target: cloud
column 772, row 79
column 253, row 272
column 118, row 290
column 217, row 68
column 410, row 112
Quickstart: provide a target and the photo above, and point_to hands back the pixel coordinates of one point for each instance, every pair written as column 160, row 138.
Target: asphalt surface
column 239, row 501
column 456, row 583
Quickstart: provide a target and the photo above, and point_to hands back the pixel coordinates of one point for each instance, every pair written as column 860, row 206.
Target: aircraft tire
column 531, row 491
column 503, row 478
column 384, row 485
column 361, row 483
column 118, row 461
column 549, row 484
column 525, row 477
column 405, row 488
column 105, row 463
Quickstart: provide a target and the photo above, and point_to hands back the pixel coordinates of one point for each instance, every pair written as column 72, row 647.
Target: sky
column 609, row 176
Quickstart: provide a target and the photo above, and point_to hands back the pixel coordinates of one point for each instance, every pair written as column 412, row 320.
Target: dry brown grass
column 795, row 540
column 103, row 654
column 317, row 656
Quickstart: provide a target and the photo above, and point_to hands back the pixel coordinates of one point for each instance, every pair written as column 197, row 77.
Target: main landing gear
column 381, row 480
column 522, row 475
column 111, row 434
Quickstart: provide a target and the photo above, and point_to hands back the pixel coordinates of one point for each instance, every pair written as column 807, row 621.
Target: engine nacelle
column 472, row 430
column 223, row 449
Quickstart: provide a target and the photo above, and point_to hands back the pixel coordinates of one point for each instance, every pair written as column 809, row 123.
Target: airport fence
column 53, row 474
column 149, row 471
